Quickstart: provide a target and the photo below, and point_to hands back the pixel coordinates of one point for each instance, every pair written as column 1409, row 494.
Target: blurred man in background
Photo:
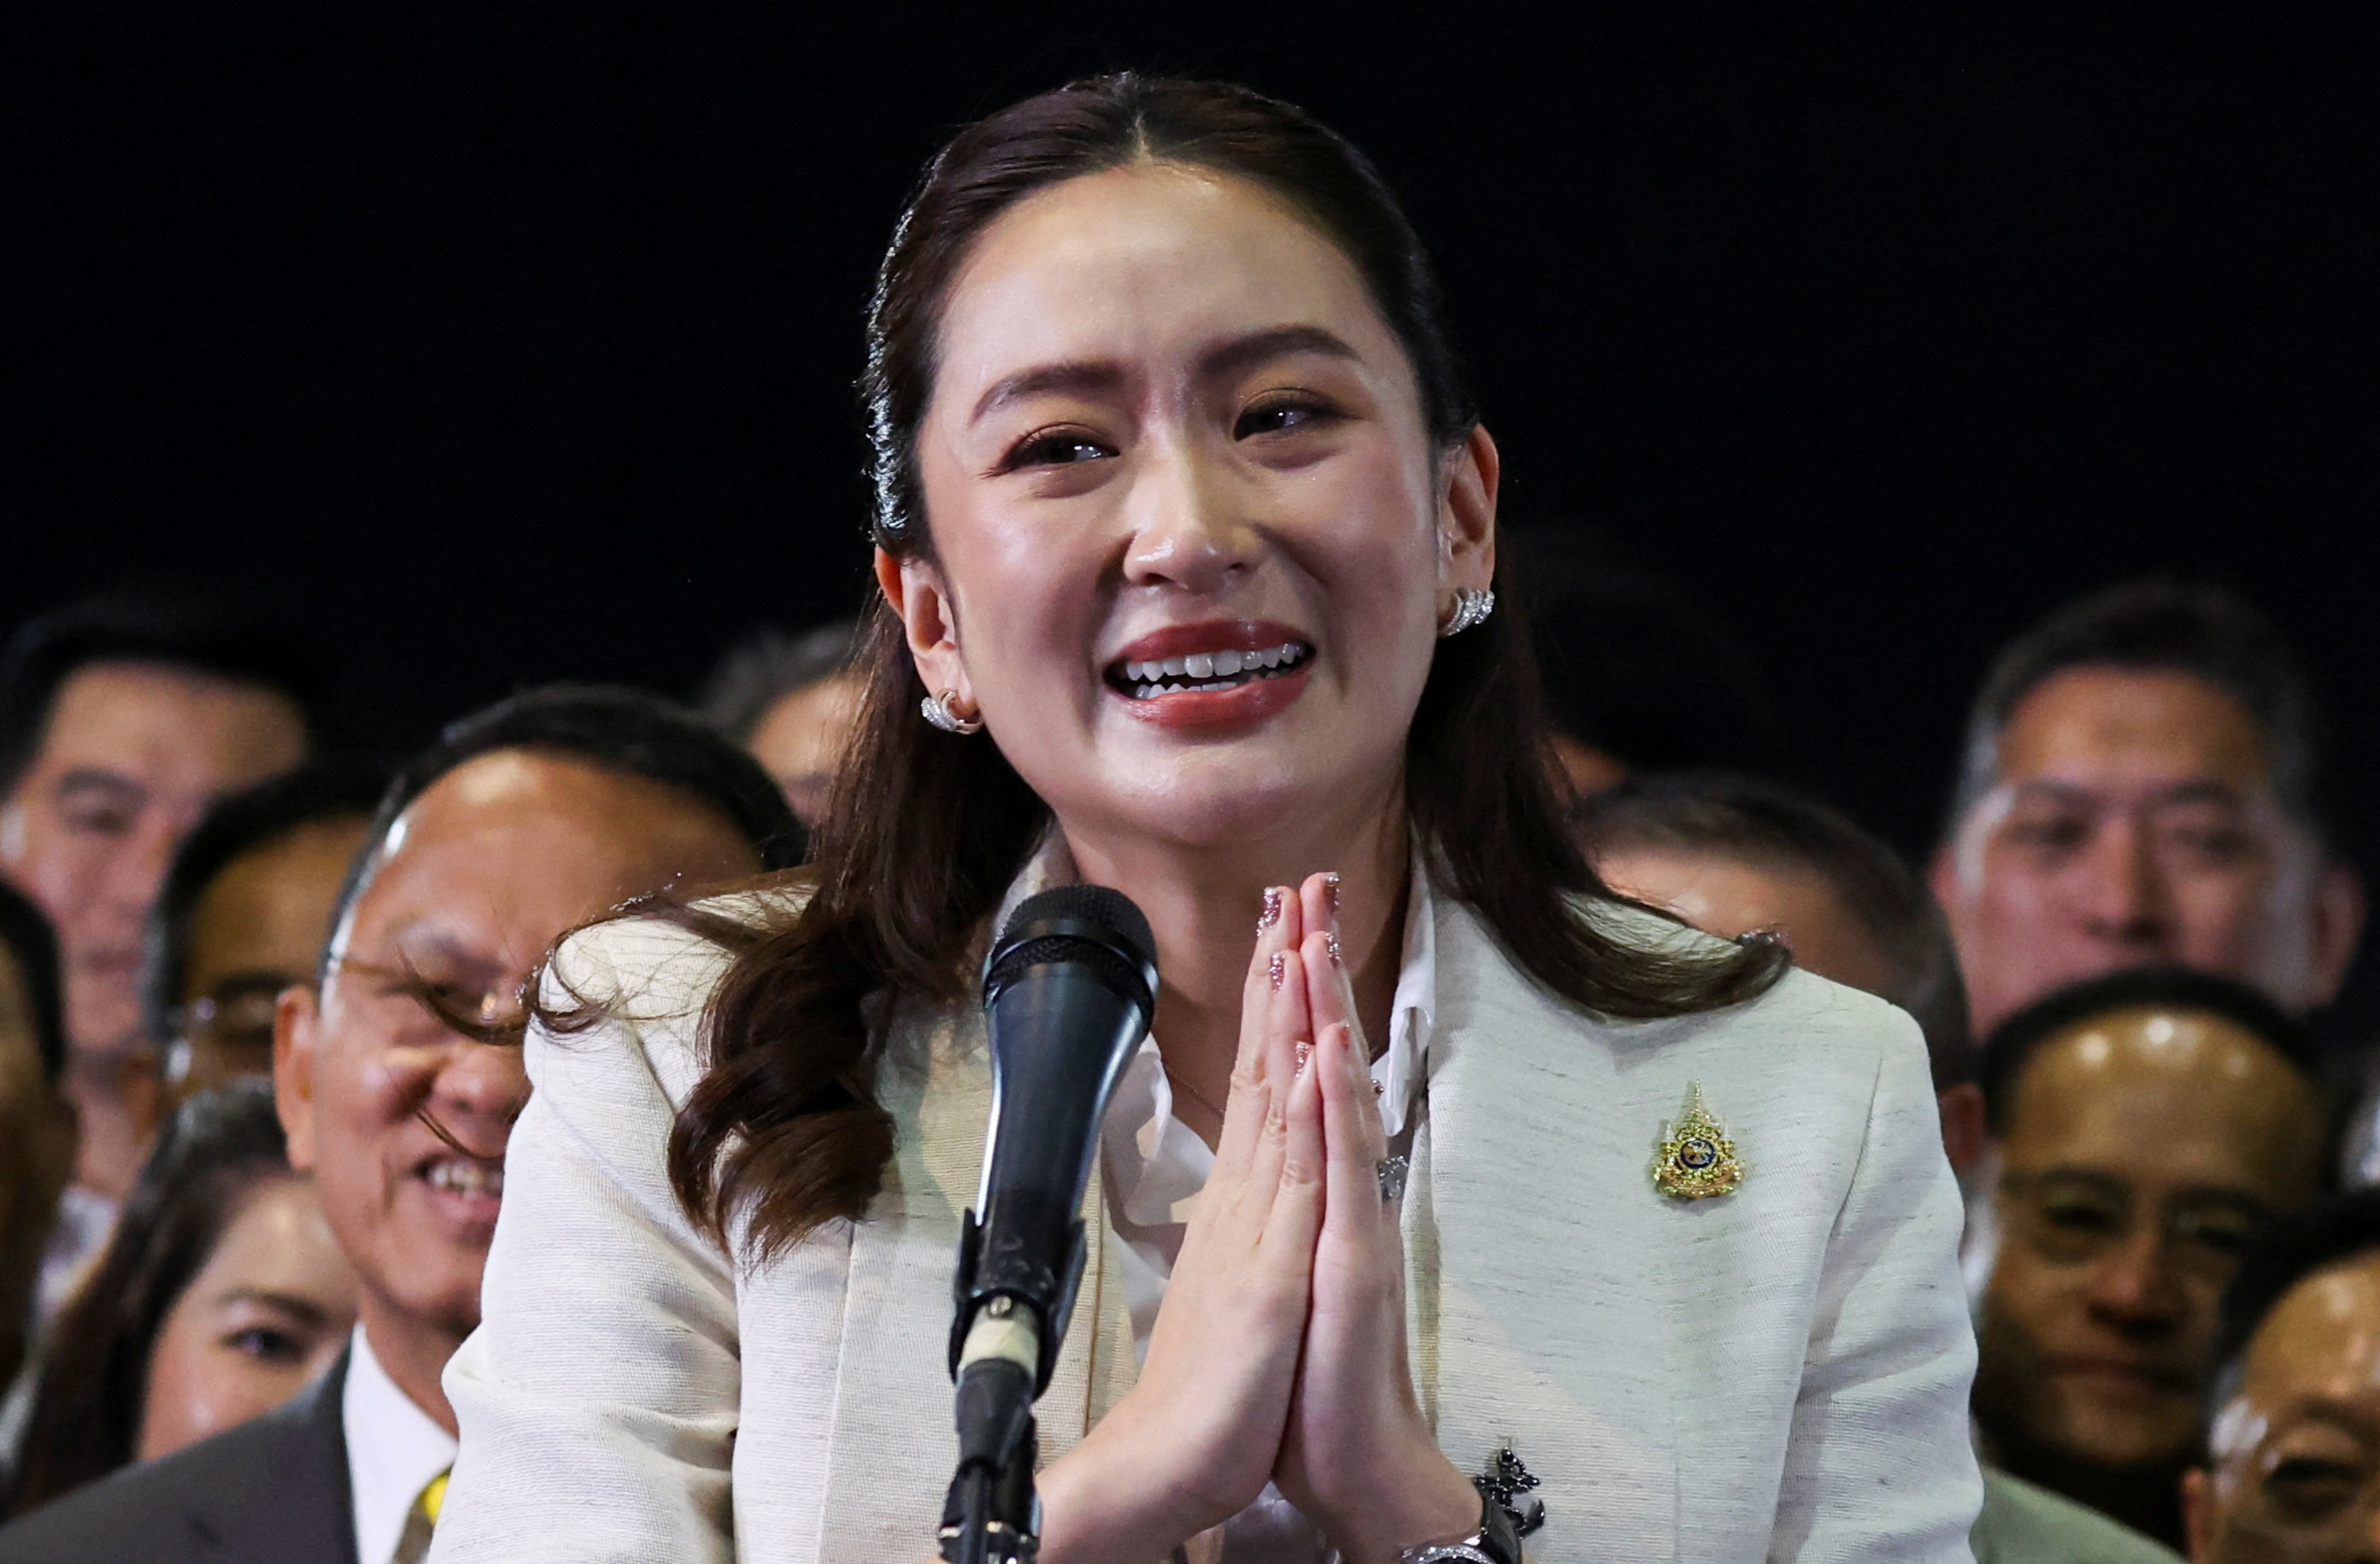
column 2142, row 787
column 244, row 913
column 121, row 720
column 2149, row 1125
column 399, row 1078
column 1734, row 855
column 791, row 701
column 1639, row 674
column 2292, row 1475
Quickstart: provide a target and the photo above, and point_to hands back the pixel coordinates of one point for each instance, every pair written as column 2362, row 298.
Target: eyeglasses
column 2073, row 1218
column 421, row 1012
column 227, row 1032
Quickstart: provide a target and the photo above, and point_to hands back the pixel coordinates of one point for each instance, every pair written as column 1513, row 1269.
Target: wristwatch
column 1496, row 1541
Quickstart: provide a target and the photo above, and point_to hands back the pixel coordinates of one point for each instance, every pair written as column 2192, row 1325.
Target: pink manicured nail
column 1330, row 943
column 1277, row 968
column 1272, row 910
column 1331, row 892
column 1305, row 1052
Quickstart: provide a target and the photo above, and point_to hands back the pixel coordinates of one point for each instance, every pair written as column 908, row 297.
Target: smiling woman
column 1186, row 548
column 220, row 1295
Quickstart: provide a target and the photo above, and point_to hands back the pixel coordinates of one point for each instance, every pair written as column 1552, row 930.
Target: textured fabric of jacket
column 1779, row 1373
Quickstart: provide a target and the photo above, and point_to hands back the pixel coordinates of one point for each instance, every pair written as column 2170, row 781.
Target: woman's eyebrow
column 302, row 1309
column 1090, row 377
column 1230, row 358
column 1082, row 377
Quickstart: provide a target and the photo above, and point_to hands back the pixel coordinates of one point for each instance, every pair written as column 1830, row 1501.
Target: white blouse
column 1153, row 1167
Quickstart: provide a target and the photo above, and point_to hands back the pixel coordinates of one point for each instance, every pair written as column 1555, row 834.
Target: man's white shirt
column 393, row 1450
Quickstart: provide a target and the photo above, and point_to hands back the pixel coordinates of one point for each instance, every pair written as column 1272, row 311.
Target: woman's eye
column 1057, row 448
column 1278, row 417
column 266, row 1344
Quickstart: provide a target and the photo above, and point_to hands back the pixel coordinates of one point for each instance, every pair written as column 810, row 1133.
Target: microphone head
column 1090, row 924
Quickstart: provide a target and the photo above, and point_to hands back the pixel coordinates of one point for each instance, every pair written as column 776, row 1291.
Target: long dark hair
column 927, row 830
column 86, row 1421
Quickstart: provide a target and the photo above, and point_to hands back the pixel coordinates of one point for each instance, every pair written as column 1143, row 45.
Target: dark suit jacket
column 272, row 1491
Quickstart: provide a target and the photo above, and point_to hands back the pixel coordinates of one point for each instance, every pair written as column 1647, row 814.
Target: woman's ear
column 929, row 620
column 1466, row 519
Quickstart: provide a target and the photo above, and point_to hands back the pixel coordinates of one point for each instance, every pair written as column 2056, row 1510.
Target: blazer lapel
column 1536, row 1323
column 891, row 1398
column 296, row 1504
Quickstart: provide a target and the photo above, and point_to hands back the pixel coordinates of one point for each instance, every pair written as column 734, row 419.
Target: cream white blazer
column 1776, row 1373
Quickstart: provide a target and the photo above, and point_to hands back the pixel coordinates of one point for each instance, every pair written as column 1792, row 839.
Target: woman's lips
column 1243, row 704
column 1222, row 674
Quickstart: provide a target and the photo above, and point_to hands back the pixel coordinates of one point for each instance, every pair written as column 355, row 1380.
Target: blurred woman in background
column 221, row 1294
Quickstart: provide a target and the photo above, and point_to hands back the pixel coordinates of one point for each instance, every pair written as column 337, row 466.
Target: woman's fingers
column 1268, row 1003
column 1266, row 1108
column 1354, row 1140
column 1296, row 1222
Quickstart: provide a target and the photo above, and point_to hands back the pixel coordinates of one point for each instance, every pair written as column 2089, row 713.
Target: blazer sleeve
column 598, row 1400
column 1880, row 1463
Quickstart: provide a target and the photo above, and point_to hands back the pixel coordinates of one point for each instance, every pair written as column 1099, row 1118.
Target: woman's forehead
column 1147, row 262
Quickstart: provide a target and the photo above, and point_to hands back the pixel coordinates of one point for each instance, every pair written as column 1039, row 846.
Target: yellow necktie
column 414, row 1545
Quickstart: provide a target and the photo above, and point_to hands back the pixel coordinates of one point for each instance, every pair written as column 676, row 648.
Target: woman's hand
column 1194, row 1442
column 1358, row 1456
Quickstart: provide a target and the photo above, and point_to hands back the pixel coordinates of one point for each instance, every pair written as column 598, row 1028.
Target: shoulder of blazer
column 1476, row 966
column 273, row 1490
column 648, row 970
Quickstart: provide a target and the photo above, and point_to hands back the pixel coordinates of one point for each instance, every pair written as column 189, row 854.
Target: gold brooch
column 1697, row 1160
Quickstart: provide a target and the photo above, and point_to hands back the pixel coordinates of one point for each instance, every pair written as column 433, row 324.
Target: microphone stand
column 1001, row 1358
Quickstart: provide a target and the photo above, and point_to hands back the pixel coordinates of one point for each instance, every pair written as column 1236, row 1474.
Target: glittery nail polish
column 1331, row 892
column 1271, row 914
column 1305, row 1052
column 1276, row 968
column 1330, row 943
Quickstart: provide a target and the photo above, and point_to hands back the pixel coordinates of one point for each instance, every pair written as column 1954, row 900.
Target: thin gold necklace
column 1202, row 1099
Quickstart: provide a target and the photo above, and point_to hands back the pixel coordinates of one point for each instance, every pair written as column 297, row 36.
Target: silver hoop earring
column 1471, row 610
column 938, row 709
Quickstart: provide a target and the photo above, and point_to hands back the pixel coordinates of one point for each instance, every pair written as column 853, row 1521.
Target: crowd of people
column 261, row 1000
column 2134, row 908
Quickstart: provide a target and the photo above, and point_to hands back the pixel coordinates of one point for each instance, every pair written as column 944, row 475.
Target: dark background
column 501, row 343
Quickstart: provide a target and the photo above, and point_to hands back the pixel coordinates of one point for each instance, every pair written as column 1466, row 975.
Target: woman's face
column 269, row 1311
column 1192, row 537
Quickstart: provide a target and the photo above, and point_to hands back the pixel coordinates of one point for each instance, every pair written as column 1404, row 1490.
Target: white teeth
column 1207, row 670
column 466, row 1178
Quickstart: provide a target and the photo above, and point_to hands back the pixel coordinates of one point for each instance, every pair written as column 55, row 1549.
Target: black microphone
column 1068, row 992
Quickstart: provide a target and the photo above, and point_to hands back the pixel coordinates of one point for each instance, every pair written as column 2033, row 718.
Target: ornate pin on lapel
column 1697, row 1160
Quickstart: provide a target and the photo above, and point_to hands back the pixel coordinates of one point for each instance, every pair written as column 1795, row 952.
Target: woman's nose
column 1188, row 530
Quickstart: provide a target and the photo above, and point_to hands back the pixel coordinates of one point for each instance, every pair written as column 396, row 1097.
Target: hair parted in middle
column 923, row 836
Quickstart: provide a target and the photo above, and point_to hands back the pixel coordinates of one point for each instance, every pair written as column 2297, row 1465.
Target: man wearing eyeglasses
column 398, row 1080
column 2148, row 1126
column 244, row 912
